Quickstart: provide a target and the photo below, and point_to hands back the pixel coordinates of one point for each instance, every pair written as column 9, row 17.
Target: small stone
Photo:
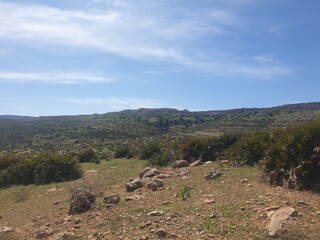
column 211, row 174
column 180, row 164
column 250, row 185
column 245, row 180
column 111, row 199
column 196, row 163
column 161, row 233
column 155, row 184
column 165, row 203
column 44, row 232
column 156, row 213
column 303, row 203
column 209, row 201
column 134, row 185
column 272, row 208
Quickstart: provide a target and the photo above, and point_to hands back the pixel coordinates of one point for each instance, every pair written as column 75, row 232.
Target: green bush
column 123, row 152
column 40, row 169
column 208, row 149
column 87, row 156
column 151, row 151
column 293, row 159
column 161, row 160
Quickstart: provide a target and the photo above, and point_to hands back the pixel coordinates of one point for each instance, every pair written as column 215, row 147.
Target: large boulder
column 277, row 218
column 134, row 185
column 151, row 173
column 111, row 199
column 82, row 201
column 180, row 164
column 211, row 174
column 155, row 184
column 144, row 171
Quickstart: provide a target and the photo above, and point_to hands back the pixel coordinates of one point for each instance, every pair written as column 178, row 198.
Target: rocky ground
column 209, row 201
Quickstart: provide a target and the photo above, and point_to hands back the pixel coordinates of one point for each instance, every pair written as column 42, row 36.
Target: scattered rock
column 82, row 200
column 161, row 233
column 196, row 163
column 277, row 219
column 44, row 232
column 212, row 174
column 245, row 180
column 111, row 199
column 5, row 230
column 92, row 171
column 225, row 161
column 272, row 208
column 156, row 213
column 163, row 175
column 144, row 171
column 303, row 203
column 151, row 173
column 209, row 201
column 249, row 185
column 134, row 185
column 63, row 236
column 155, row 184
column 180, row 164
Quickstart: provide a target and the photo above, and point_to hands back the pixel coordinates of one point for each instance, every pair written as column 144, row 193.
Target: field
column 222, row 208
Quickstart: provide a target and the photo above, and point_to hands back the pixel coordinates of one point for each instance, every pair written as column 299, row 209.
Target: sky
column 69, row 57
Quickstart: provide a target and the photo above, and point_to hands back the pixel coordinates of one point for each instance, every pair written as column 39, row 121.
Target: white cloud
column 58, row 78
column 139, row 31
column 118, row 103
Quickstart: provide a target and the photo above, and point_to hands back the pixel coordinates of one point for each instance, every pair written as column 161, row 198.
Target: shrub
column 40, row 169
column 161, row 160
column 150, row 151
column 87, row 156
column 123, row 152
column 293, row 159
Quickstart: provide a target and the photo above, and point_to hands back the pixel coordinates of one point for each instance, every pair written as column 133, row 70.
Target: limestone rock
column 180, row 164
column 82, row 200
column 211, row 174
column 5, row 230
column 144, row 171
column 196, row 163
column 111, row 199
column 155, row 184
column 151, row 173
column 277, row 219
column 44, row 232
column 134, row 185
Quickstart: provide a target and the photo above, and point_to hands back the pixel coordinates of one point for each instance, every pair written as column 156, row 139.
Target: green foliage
column 160, row 160
column 207, row 149
column 185, row 193
column 40, row 169
column 123, row 152
column 293, row 159
column 250, row 149
column 87, row 156
column 151, row 151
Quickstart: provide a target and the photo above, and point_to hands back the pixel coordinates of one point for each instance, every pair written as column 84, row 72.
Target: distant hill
column 73, row 133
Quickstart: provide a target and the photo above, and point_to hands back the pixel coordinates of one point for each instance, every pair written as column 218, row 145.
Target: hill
column 73, row 133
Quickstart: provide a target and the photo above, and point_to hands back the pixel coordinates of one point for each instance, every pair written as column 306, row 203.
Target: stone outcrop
column 82, row 200
column 134, row 185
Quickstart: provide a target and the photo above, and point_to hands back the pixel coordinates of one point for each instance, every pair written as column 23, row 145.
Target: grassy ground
column 237, row 212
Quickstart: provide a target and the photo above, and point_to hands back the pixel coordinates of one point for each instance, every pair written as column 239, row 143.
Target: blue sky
column 95, row 56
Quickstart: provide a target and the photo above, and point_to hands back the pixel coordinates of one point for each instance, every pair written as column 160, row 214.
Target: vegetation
column 123, row 152
column 42, row 168
column 185, row 193
column 87, row 156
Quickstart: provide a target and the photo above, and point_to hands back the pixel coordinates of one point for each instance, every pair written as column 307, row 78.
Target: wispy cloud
column 118, row 103
column 146, row 31
column 57, row 78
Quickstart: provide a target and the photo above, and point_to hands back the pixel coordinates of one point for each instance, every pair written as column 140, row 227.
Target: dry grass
column 238, row 210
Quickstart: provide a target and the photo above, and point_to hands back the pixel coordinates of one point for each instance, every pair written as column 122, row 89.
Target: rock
column 5, row 230
column 134, row 185
column 196, row 163
column 111, row 199
column 161, row 233
column 225, row 161
column 163, row 175
column 144, row 171
column 180, row 164
column 209, row 201
column 151, row 173
column 44, row 232
column 63, row 236
column 245, row 180
column 272, row 208
column 212, row 174
column 155, row 184
column 156, row 213
column 277, row 219
column 82, row 201
column 249, row 185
